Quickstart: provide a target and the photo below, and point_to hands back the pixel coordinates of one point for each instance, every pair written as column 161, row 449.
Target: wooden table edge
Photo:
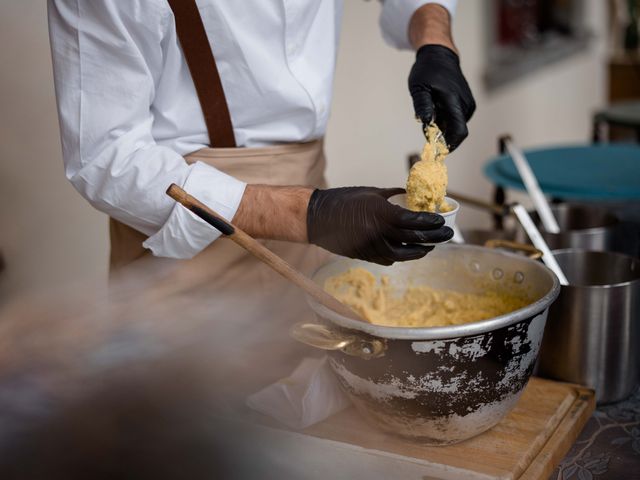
column 563, row 437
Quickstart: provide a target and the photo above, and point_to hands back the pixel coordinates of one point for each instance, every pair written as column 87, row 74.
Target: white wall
column 49, row 234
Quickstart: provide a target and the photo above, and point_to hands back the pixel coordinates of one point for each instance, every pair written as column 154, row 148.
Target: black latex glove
column 440, row 92
column 359, row 222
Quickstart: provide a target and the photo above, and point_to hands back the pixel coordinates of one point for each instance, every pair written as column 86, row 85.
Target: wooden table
column 527, row 444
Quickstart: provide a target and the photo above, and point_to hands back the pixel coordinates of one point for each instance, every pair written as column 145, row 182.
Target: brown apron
column 227, row 266
column 290, row 164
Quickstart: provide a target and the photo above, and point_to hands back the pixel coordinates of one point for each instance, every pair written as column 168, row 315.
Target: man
column 132, row 122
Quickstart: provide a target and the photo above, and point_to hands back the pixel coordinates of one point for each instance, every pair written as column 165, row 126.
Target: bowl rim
column 604, row 286
column 452, row 331
column 613, row 220
column 456, row 207
column 451, row 201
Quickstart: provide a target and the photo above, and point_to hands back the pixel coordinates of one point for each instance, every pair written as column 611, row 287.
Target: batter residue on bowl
column 419, row 305
column 427, row 182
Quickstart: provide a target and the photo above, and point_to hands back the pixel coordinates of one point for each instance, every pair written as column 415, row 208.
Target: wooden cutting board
column 527, row 444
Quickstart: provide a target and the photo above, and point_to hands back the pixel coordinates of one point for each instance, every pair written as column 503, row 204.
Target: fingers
column 404, row 253
column 452, row 119
column 403, row 218
column 440, row 92
column 398, row 246
column 469, row 106
column 422, row 104
column 391, row 252
column 359, row 222
column 421, row 236
column 386, row 261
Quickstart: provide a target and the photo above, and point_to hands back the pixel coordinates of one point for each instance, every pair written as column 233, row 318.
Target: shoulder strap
column 204, row 72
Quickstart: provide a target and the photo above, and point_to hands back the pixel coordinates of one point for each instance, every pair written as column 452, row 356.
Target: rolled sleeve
column 105, row 69
column 395, row 17
column 184, row 234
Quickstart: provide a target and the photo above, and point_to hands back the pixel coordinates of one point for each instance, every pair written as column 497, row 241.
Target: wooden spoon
column 259, row 251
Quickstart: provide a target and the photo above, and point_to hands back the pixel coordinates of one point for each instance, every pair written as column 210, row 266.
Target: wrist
column 431, row 25
column 274, row 213
column 431, row 50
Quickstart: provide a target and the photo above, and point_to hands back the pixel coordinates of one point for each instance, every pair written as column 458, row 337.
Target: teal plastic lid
column 576, row 172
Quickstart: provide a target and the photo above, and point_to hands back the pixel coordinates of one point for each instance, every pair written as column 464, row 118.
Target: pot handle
column 327, row 338
column 531, row 251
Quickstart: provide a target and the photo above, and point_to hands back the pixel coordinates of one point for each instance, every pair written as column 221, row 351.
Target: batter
column 427, row 182
column 419, row 306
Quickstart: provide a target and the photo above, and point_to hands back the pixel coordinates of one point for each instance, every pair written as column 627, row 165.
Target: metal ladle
column 527, row 224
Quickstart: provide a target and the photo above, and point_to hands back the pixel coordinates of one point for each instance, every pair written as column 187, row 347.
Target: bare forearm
column 431, row 25
column 275, row 213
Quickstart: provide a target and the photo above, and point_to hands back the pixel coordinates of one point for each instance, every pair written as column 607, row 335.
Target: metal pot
column 593, row 332
column 581, row 226
column 439, row 385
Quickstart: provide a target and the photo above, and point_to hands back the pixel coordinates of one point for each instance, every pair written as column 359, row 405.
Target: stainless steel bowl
column 581, row 226
column 439, row 385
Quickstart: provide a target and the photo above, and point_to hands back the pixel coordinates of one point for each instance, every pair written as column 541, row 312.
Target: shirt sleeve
column 107, row 59
column 395, row 17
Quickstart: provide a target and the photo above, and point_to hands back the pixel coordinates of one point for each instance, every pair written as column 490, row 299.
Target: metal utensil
column 531, row 184
column 538, row 242
column 438, row 139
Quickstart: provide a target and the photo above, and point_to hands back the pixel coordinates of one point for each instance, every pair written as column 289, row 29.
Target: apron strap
column 204, row 72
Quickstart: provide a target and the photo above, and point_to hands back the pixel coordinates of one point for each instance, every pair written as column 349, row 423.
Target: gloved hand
column 359, row 222
column 439, row 90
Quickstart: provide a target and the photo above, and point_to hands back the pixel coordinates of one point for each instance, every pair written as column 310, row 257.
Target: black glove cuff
column 312, row 210
column 439, row 51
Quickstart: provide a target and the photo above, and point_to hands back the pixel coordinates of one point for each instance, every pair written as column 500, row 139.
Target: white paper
column 309, row 395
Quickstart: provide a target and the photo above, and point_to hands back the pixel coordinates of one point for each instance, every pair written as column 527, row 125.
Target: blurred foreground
column 146, row 380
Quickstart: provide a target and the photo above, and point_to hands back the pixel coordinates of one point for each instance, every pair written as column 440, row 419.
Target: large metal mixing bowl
column 439, row 385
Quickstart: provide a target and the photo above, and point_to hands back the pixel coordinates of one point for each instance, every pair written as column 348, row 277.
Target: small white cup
column 449, row 217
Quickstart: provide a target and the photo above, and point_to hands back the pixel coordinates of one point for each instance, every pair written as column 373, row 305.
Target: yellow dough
column 419, row 305
column 427, row 182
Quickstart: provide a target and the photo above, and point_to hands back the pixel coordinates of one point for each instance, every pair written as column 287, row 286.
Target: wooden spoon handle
column 259, row 251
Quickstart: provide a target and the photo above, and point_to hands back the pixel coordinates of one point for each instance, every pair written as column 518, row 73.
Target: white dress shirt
column 129, row 112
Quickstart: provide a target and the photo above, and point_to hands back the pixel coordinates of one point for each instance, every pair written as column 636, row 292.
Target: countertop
column 609, row 445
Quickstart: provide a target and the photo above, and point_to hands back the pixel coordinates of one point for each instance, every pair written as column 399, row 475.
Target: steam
column 148, row 374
